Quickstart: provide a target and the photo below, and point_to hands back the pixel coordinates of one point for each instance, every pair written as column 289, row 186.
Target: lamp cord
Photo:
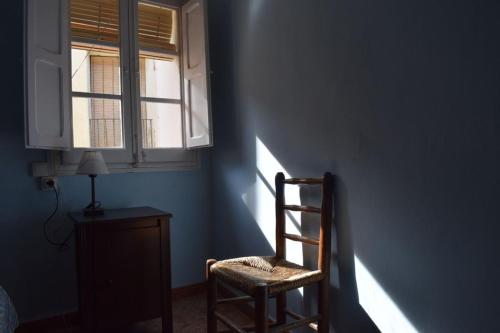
column 62, row 246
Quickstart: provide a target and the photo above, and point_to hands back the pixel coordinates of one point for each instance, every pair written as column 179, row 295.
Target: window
column 126, row 77
column 160, row 86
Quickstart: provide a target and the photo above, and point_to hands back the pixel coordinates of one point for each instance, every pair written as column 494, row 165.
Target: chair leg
column 261, row 309
column 324, row 305
column 211, row 298
column 281, row 308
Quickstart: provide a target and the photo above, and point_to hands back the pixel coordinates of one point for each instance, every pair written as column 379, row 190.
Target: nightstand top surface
column 118, row 214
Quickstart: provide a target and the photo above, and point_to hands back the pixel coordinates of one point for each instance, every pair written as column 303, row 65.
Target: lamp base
column 93, row 211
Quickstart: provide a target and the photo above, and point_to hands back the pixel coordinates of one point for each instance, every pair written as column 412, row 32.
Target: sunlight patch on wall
column 378, row 305
column 260, row 200
column 255, row 6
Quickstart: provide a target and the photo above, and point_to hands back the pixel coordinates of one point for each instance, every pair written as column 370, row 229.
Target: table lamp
column 92, row 164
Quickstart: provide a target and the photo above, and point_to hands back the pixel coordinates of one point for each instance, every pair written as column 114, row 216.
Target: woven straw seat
column 279, row 275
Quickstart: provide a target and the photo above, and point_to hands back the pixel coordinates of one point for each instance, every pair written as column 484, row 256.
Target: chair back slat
column 306, row 209
column 326, row 215
column 302, row 239
column 304, row 181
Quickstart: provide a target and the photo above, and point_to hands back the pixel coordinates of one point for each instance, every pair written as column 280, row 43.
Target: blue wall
column 400, row 99
column 41, row 280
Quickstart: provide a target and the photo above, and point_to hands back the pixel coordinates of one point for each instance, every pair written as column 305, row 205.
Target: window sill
column 54, row 166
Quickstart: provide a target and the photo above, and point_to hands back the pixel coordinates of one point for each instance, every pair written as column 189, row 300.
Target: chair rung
column 246, row 329
column 305, row 181
column 302, row 239
column 296, row 316
column 293, row 325
column 238, row 299
column 308, row 209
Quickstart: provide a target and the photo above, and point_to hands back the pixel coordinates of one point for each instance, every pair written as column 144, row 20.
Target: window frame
column 111, row 155
column 155, row 155
column 48, row 94
column 133, row 157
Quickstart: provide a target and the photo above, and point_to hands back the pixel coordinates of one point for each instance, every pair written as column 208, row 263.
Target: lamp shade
column 92, row 163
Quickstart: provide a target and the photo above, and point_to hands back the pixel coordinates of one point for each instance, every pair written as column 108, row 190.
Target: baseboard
column 48, row 324
column 189, row 290
column 71, row 319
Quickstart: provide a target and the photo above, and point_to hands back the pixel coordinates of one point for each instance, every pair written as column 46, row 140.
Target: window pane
column 160, row 78
column 161, row 125
column 95, row 70
column 97, row 123
column 157, row 28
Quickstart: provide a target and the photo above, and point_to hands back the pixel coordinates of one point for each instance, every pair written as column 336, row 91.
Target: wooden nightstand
column 123, row 262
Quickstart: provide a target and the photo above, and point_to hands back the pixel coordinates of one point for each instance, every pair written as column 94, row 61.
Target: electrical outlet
column 47, row 183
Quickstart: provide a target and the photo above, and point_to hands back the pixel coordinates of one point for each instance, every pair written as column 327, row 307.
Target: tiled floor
column 189, row 317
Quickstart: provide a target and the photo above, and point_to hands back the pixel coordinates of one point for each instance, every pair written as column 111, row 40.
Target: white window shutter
column 197, row 113
column 47, row 74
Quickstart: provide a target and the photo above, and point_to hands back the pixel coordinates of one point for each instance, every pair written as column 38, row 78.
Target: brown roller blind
column 95, row 20
column 157, row 27
column 105, row 116
column 98, row 20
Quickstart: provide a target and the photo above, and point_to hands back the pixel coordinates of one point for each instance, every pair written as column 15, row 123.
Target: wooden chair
column 263, row 277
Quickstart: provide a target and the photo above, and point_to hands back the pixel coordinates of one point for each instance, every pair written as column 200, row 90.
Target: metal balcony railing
column 105, row 133
column 148, row 139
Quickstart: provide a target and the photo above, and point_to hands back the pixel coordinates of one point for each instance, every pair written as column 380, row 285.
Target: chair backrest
column 324, row 241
